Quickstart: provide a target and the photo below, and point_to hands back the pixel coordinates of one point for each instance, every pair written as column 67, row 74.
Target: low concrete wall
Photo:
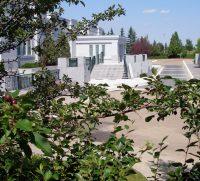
column 34, row 70
column 137, row 64
column 80, row 73
column 197, row 59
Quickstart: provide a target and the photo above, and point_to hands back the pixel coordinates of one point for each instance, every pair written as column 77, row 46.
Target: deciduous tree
column 141, row 46
column 175, row 46
column 189, row 45
column 198, row 46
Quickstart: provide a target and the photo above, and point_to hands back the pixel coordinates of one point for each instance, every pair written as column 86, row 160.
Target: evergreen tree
column 103, row 32
column 122, row 32
column 198, row 46
column 175, row 46
column 189, row 45
column 108, row 33
column 62, row 47
column 111, row 32
column 132, row 39
column 165, row 48
column 48, row 52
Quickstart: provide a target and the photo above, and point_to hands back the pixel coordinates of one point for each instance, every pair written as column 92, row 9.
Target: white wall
column 80, row 74
column 112, row 47
column 197, row 59
column 137, row 65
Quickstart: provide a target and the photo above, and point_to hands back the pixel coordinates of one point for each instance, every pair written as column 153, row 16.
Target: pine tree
column 132, row 39
column 122, row 32
column 111, row 32
column 175, row 46
column 103, row 32
column 48, row 52
column 62, row 46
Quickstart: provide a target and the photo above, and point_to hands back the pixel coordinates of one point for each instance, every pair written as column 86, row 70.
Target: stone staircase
column 105, row 71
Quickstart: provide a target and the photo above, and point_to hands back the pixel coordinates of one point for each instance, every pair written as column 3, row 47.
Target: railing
column 125, row 73
column 24, row 81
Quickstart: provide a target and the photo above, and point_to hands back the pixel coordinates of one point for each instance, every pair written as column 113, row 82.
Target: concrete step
column 105, row 71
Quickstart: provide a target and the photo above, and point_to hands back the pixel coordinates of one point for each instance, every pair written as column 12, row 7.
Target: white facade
column 108, row 49
column 137, row 65
column 25, row 54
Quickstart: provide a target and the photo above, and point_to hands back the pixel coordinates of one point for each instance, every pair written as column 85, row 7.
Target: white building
column 107, row 51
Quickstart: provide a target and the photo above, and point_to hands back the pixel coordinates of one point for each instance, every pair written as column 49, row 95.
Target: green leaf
column 42, row 143
column 180, row 150
column 117, row 129
column 164, row 147
column 126, row 127
column 190, row 160
column 156, row 154
column 26, row 148
column 143, row 75
column 24, row 125
column 15, row 94
column 47, row 175
column 167, row 77
column 3, row 139
column 177, row 164
column 193, row 144
column 164, row 138
column 154, row 71
column 149, row 118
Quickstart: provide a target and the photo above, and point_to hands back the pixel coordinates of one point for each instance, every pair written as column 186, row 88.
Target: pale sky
column 156, row 18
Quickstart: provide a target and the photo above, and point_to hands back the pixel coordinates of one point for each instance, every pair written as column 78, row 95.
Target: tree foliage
column 122, row 31
column 175, row 46
column 62, row 130
column 62, row 46
column 21, row 20
column 132, row 39
column 157, row 49
column 189, row 45
column 198, row 46
column 141, row 46
column 48, row 52
column 111, row 32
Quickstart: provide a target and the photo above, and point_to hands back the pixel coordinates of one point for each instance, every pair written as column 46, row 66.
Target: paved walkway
column 175, row 71
column 194, row 69
column 152, row 132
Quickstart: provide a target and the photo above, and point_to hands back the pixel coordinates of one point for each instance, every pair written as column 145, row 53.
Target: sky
column 156, row 18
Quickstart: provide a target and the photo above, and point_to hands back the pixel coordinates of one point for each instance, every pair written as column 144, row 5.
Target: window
column 134, row 58
column 103, row 50
column 97, row 54
column 90, row 50
column 73, row 62
column 18, row 50
column 143, row 58
column 97, row 49
column 23, row 49
column 29, row 47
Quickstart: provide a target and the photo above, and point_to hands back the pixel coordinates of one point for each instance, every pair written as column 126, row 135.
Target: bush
column 30, row 65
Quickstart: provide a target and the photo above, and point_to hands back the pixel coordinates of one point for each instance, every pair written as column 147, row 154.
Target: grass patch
column 30, row 65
